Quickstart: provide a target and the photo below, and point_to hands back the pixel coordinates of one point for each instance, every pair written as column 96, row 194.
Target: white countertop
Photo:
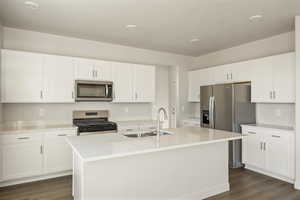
column 106, row 146
column 286, row 128
column 16, row 128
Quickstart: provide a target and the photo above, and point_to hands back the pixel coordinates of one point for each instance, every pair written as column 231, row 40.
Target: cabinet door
column 144, row 83
column 223, row 74
column 277, row 153
column 57, row 153
column 22, row 160
column 194, row 86
column 85, row 69
column 284, row 68
column 123, row 82
column 252, row 149
column 262, row 81
column 242, row 72
column 103, row 70
column 58, row 79
column 21, row 77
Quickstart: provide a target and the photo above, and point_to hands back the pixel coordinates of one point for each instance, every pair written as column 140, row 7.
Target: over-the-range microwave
column 93, row 90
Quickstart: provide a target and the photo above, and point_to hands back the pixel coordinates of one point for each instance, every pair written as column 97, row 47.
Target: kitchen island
column 189, row 163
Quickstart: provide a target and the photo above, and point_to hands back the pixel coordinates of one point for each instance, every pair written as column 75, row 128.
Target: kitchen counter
column 285, row 128
column 16, row 127
column 105, row 146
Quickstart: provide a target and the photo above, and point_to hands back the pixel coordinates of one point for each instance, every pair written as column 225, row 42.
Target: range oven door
column 93, row 90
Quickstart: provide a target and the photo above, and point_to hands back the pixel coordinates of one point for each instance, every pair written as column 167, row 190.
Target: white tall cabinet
column 21, row 74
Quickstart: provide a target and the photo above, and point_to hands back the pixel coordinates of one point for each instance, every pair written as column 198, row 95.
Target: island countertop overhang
column 108, row 146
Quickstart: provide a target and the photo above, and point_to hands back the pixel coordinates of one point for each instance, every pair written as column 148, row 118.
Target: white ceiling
column 164, row 25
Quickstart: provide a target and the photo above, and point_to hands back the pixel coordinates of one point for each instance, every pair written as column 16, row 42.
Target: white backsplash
column 63, row 112
column 275, row 114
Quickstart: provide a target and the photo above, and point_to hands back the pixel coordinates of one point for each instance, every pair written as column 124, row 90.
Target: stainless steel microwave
column 93, row 90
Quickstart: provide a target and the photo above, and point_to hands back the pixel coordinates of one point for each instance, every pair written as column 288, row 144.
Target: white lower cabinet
column 28, row 155
column 21, row 156
column 269, row 151
column 57, row 153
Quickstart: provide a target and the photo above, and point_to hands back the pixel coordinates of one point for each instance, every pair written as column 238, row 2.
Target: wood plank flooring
column 245, row 185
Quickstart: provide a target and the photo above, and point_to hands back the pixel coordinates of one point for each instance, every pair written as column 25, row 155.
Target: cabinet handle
column 261, row 146
column 251, row 132
column 276, row 136
column 271, row 95
column 41, row 149
column 264, row 146
column 62, row 135
column 96, row 73
column 136, row 96
column 41, row 94
column 274, row 94
column 129, row 129
column 227, row 76
column 23, row 138
column 230, row 76
column 93, row 73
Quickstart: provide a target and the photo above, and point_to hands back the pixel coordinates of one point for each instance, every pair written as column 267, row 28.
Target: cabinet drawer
column 21, row 138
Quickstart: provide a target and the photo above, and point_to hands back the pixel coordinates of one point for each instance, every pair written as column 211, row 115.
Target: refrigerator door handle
column 212, row 112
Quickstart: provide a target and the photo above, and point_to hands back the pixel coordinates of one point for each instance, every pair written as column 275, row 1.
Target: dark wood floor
column 245, row 185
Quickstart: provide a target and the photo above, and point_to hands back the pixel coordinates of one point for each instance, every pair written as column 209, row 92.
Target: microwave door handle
column 106, row 90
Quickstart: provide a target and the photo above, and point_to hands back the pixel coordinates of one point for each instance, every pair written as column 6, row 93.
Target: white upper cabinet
column 144, row 83
column 196, row 79
column 284, row 69
column 58, row 79
column 222, row 74
column 84, row 69
column 22, row 80
column 123, row 82
column 274, row 79
column 133, row 83
column 103, row 70
column 89, row 69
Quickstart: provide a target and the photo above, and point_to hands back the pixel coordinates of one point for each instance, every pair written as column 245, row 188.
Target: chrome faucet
column 165, row 117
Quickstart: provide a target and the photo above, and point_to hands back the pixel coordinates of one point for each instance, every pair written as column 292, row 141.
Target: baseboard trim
column 35, row 178
column 261, row 171
column 206, row 192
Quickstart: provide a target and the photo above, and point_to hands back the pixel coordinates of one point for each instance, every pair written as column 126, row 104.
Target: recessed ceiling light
column 255, row 18
column 129, row 26
column 195, row 40
column 32, row 5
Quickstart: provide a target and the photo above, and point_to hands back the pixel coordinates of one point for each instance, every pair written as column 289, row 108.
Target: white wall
column 18, row 39
column 297, row 183
column 261, row 48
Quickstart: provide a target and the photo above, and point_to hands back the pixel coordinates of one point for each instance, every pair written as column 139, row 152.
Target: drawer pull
column 276, row 136
column 251, row 132
column 23, row 138
column 62, row 134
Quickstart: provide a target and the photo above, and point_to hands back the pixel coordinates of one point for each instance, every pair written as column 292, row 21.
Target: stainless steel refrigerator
column 226, row 107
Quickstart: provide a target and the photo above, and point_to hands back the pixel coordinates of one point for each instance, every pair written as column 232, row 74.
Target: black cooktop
column 94, row 125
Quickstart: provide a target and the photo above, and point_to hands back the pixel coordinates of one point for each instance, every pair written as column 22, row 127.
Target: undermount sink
column 148, row 134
